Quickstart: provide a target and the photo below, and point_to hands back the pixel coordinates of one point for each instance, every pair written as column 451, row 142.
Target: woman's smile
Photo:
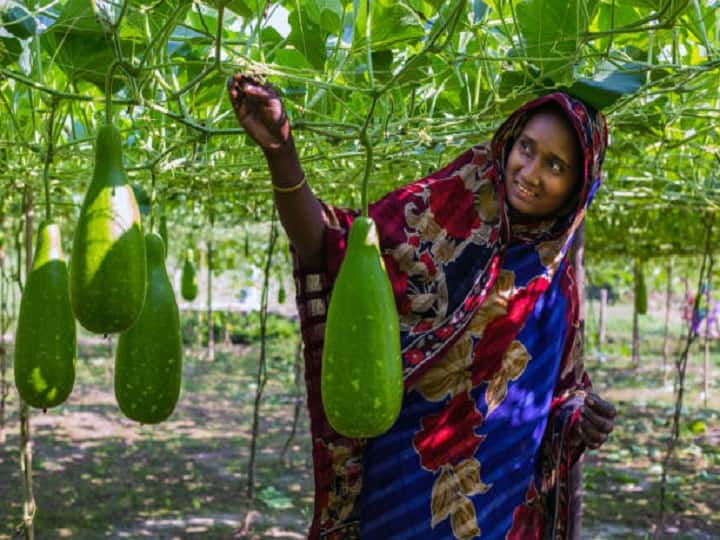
column 523, row 191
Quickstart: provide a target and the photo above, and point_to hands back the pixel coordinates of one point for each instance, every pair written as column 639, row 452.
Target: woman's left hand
column 597, row 419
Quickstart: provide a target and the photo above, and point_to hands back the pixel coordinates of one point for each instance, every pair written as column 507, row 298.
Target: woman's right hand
column 260, row 111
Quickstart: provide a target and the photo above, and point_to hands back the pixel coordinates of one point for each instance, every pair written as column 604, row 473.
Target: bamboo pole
column 4, row 386
column 602, row 318
column 666, row 336
column 210, row 329
column 577, row 259
column 25, row 434
column 635, row 327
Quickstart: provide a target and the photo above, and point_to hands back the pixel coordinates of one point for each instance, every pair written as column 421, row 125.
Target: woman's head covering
column 591, row 132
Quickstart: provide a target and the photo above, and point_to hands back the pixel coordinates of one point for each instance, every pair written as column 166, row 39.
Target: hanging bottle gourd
column 640, row 290
column 108, row 268
column 45, row 339
column 188, row 280
column 148, row 359
column 361, row 378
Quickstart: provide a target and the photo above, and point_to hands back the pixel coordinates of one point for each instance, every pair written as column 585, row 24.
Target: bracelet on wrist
column 289, row 189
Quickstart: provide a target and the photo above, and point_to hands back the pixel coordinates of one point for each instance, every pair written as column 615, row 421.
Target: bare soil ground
column 99, row 475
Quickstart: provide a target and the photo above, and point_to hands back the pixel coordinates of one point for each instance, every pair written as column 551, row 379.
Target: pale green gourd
column 361, row 378
column 148, row 359
column 45, row 338
column 107, row 267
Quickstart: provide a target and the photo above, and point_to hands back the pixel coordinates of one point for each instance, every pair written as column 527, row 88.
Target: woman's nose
column 531, row 172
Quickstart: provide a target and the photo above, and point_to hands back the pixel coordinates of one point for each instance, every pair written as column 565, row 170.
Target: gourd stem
column 364, row 140
column 108, row 91
column 48, row 159
column 153, row 198
column 367, row 143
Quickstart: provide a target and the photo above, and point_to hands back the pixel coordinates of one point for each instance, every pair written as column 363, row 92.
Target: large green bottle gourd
column 361, row 377
column 107, row 268
column 188, row 280
column 45, row 339
column 641, row 304
column 148, row 359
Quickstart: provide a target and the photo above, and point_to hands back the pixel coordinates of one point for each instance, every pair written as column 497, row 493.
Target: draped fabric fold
column 488, row 315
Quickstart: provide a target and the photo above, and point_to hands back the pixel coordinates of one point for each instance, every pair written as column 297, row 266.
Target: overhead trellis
column 417, row 80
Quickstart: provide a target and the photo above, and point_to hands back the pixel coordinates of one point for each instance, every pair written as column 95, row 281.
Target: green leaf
column 275, row 499
column 19, row 22
column 291, row 58
column 308, row 38
column 603, row 93
column 551, row 33
column 392, row 24
column 81, row 47
column 241, row 7
column 327, row 14
column 10, row 50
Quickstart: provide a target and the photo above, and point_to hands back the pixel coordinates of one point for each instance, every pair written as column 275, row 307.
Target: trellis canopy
column 417, row 81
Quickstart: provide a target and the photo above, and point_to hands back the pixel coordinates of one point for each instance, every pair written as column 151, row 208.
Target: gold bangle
column 290, row 189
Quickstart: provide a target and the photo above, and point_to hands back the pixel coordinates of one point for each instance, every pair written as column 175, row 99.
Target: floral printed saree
column 488, row 316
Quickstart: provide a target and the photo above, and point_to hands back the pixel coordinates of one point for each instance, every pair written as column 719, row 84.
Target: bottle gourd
column 641, row 303
column 107, row 267
column 361, row 376
column 148, row 359
column 45, row 339
column 188, row 280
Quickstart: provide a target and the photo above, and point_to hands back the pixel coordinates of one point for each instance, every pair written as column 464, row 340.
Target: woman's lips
column 522, row 191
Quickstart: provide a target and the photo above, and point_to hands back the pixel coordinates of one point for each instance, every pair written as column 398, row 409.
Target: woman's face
column 543, row 166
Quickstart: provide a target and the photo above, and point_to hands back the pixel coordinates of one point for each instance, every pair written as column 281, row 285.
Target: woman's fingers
column 597, row 420
column 591, row 437
column 600, row 406
column 260, row 111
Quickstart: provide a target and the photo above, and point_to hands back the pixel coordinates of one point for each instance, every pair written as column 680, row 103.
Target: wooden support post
column 602, row 318
column 210, row 329
column 635, row 327
column 666, row 337
column 577, row 256
column 25, row 435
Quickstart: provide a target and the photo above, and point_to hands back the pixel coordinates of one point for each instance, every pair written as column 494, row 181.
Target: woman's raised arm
column 261, row 112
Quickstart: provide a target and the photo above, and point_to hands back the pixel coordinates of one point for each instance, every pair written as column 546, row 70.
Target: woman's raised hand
column 260, row 111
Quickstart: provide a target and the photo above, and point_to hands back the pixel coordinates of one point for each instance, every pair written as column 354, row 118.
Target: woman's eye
column 525, row 147
column 556, row 166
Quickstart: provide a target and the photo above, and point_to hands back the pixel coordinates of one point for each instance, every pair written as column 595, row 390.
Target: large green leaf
column 551, row 32
column 308, row 38
column 18, row 21
column 327, row 14
column 243, row 8
column 392, row 23
column 80, row 46
column 603, row 93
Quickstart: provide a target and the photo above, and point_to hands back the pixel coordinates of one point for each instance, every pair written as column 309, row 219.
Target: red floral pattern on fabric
column 452, row 205
column 501, row 332
column 450, row 436
column 528, row 517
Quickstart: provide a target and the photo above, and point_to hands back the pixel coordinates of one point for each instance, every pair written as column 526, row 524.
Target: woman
column 497, row 406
